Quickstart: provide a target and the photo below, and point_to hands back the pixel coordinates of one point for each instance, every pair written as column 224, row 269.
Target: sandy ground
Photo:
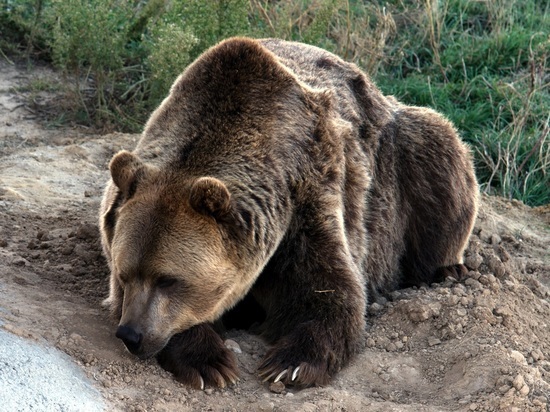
column 482, row 344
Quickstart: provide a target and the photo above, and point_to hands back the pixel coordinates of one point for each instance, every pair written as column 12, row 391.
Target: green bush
column 88, row 40
column 170, row 52
column 481, row 63
column 184, row 30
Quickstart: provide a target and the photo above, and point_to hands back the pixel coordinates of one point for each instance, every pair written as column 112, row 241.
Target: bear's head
column 175, row 261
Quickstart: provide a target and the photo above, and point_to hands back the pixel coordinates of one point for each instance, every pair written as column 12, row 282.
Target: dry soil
column 481, row 344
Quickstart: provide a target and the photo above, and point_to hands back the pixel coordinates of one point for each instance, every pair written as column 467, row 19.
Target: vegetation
column 481, row 63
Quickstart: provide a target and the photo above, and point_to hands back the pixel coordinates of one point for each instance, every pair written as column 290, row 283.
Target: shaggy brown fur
column 277, row 172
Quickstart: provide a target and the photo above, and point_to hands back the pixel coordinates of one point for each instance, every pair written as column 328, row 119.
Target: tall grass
column 484, row 64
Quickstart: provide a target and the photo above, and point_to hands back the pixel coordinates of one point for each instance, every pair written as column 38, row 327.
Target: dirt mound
column 476, row 344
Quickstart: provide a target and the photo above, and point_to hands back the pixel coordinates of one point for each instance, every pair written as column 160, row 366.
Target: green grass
column 484, row 64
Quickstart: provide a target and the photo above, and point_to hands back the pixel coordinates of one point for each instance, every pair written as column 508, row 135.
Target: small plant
column 481, row 63
column 88, row 41
column 183, row 31
column 170, row 53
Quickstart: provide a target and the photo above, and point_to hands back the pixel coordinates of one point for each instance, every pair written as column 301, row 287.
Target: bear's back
column 320, row 69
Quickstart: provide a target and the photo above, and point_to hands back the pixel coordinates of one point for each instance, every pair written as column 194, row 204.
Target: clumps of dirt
column 482, row 342
column 69, row 252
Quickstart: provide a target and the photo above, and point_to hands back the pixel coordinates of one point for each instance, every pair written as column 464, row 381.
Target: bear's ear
column 210, row 197
column 126, row 169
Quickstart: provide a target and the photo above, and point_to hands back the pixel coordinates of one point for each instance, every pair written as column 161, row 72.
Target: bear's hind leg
column 435, row 250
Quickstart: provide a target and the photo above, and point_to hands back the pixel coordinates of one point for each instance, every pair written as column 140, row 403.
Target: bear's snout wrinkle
column 131, row 338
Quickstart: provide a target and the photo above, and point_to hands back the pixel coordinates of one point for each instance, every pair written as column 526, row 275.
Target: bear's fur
column 279, row 173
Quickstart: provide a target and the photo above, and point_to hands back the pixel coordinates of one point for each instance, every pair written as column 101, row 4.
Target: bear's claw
column 280, row 375
column 295, row 374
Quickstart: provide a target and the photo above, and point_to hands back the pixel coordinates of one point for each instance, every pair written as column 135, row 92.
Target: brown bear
column 276, row 173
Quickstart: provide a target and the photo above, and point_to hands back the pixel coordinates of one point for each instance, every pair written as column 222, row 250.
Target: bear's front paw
column 280, row 366
column 305, row 358
column 198, row 357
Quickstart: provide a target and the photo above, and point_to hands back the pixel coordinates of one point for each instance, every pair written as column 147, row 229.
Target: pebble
column 432, row 341
column 473, row 261
column 232, row 346
column 519, row 381
column 67, row 250
column 277, row 387
column 417, row 312
column 503, row 254
column 524, row 391
column 503, row 389
column 381, row 300
column 87, row 231
column 459, row 290
column 496, row 266
column 474, row 284
column 375, row 308
column 452, row 300
column 537, row 355
column 518, row 357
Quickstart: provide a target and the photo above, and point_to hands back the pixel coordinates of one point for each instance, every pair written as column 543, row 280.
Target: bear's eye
column 164, row 282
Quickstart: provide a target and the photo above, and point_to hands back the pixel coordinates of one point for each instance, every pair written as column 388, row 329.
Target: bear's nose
column 130, row 337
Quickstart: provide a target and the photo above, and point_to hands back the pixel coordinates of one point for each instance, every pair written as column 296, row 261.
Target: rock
column 503, row 389
column 474, row 284
column 417, row 311
column 537, row 355
column 375, row 309
column 485, row 314
column 232, row 346
column 496, row 266
column 495, row 239
column 432, row 341
column 518, row 357
column 43, row 235
column 519, row 382
column 277, row 387
column 461, row 312
column 87, row 231
column 473, row 261
column 524, row 391
column 502, row 253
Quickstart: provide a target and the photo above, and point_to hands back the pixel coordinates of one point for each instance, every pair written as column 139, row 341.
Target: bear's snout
column 131, row 338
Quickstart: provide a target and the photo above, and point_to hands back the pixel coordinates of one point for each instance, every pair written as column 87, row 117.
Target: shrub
column 481, row 63
column 88, row 40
